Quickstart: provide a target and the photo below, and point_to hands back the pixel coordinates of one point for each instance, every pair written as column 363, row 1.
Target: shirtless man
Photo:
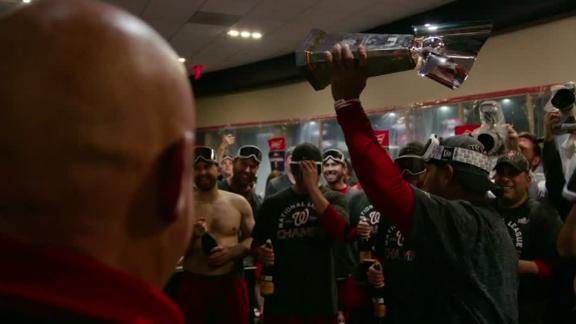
column 212, row 290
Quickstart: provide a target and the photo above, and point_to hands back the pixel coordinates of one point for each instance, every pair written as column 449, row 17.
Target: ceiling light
column 181, row 60
column 26, row 1
column 233, row 33
column 256, row 35
column 506, row 101
column 245, row 34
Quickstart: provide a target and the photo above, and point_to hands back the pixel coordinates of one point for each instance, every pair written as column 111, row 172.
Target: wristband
column 343, row 103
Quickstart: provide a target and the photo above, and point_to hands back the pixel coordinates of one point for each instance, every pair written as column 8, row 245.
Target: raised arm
column 553, row 170
column 333, row 215
column 379, row 176
column 567, row 238
column 227, row 140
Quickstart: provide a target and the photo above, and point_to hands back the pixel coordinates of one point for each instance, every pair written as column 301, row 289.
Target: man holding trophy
column 466, row 269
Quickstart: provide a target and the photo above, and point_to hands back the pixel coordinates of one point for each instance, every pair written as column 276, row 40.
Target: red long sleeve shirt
column 380, row 177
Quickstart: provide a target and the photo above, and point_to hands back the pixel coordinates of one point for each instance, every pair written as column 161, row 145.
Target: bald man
column 96, row 139
column 212, row 288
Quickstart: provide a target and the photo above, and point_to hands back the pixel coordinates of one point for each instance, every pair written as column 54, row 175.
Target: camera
column 563, row 98
column 492, row 132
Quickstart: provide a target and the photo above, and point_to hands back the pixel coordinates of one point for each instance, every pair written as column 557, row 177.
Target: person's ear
column 174, row 168
column 536, row 161
column 528, row 177
column 448, row 174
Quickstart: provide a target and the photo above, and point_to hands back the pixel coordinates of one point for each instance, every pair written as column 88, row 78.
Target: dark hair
column 412, row 148
column 529, row 136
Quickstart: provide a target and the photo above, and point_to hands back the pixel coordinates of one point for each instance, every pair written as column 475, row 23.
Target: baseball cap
column 468, row 159
column 515, row 159
column 306, row 151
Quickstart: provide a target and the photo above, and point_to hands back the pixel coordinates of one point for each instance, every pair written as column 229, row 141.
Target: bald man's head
column 97, row 119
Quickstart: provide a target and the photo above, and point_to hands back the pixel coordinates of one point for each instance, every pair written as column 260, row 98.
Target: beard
column 205, row 182
column 243, row 178
column 332, row 177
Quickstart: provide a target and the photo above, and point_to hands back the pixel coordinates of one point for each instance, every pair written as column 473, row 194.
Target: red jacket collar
column 50, row 281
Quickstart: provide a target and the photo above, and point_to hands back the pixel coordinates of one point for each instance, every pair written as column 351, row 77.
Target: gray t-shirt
column 466, row 265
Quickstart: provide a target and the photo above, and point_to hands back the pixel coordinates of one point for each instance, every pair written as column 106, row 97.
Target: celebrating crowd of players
column 440, row 234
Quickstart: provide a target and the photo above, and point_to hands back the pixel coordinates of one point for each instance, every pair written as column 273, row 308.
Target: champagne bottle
column 365, row 247
column 208, row 243
column 378, row 297
column 267, row 279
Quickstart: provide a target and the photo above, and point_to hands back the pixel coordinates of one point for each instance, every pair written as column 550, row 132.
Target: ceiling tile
column 284, row 24
column 231, row 7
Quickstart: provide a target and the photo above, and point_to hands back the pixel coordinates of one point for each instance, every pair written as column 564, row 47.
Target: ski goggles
column 249, row 151
column 335, row 155
column 411, row 164
column 434, row 150
column 318, row 165
column 204, row 153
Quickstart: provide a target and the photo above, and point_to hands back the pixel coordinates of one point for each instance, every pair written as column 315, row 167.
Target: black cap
column 306, row 151
column 515, row 159
column 471, row 177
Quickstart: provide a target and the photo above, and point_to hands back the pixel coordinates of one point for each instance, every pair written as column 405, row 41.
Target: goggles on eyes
column 204, row 153
column 249, row 151
column 435, row 151
column 318, row 165
column 333, row 154
column 411, row 164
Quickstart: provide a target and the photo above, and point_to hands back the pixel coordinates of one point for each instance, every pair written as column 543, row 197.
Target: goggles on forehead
column 435, row 151
column 335, row 155
column 249, row 151
column 411, row 164
column 204, row 153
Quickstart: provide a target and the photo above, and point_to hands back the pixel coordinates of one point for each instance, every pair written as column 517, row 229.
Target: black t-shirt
column 534, row 229
column 398, row 259
column 277, row 184
column 466, row 265
column 304, row 280
column 345, row 253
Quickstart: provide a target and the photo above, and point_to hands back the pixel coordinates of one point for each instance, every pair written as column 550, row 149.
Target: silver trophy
column 444, row 53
